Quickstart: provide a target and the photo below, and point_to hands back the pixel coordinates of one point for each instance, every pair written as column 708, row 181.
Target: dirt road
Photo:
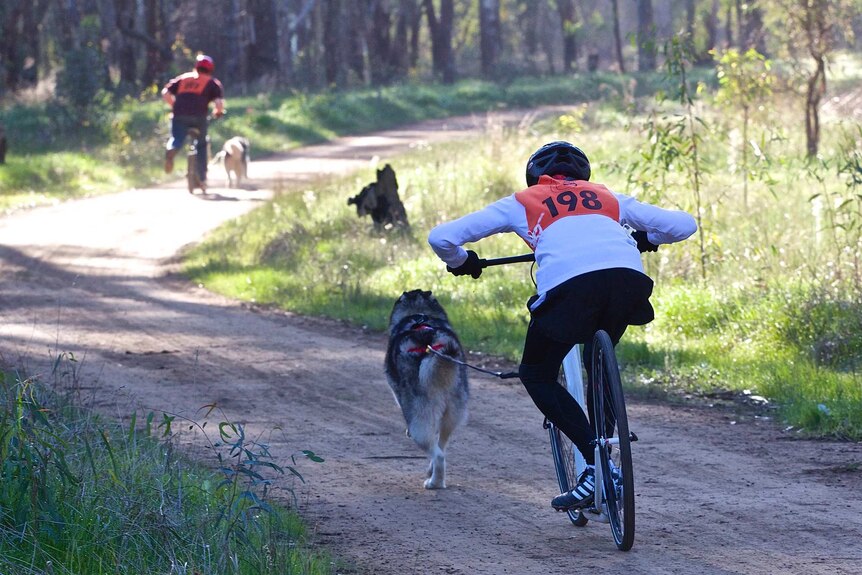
column 716, row 493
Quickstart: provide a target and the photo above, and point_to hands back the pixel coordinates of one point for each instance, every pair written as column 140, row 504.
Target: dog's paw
column 430, row 483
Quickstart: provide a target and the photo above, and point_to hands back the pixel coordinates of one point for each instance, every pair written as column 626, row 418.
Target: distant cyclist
column 189, row 96
column 589, row 277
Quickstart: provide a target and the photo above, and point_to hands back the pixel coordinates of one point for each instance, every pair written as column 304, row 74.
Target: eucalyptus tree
column 440, row 27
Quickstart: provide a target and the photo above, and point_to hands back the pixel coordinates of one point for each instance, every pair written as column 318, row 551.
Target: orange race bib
column 192, row 85
column 548, row 203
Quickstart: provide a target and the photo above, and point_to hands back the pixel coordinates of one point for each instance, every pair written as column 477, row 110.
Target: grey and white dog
column 431, row 390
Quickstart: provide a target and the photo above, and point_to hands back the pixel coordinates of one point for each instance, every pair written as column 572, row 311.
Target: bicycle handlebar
column 523, row 258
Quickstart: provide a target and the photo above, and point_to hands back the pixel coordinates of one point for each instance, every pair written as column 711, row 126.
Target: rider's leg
column 571, row 313
column 179, row 130
column 539, row 370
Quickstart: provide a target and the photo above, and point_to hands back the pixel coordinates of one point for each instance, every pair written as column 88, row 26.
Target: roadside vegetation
column 84, row 495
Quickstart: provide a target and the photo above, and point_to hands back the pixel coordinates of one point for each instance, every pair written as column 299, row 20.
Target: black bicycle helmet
column 558, row 158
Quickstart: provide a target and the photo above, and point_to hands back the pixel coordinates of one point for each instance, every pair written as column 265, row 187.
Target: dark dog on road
column 432, row 391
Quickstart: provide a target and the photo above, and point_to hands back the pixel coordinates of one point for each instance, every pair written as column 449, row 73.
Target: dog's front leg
column 428, row 439
column 436, row 470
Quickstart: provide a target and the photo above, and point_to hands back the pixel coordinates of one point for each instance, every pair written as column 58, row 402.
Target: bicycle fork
column 598, row 512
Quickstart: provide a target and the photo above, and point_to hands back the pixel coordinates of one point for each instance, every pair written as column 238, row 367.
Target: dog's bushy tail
column 218, row 158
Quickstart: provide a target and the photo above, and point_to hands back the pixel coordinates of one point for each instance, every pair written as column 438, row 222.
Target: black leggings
column 608, row 299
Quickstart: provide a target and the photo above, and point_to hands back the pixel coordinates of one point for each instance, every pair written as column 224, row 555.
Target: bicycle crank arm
column 594, row 514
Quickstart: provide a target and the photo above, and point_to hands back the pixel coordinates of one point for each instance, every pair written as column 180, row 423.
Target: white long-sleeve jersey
column 573, row 226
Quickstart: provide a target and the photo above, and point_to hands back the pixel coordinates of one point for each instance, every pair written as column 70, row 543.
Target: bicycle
column 614, row 500
column 192, row 177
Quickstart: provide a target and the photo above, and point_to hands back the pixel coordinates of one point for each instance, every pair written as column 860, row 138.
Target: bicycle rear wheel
column 611, row 426
column 562, row 449
column 192, row 170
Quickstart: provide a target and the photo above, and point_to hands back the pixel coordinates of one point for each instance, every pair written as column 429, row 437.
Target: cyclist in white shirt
column 589, row 276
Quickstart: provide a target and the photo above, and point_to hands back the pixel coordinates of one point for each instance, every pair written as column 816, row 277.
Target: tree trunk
column 755, row 34
column 447, row 22
column 646, row 37
column 568, row 21
column 416, row 29
column 728, row 27
column 711, row 29
column 262, row 50
column 690, row 13
column 361, row 45
column 816, row 90
column 316, row 48
column 288, row 26
column 125, row 16
column 489, row 32
column 20, row 49
column 284, row 32
column 401, row 56
column 154, row 22
column 2, row 144
column 335, row 43
column 441, row 39
column 70, row 24
column 383, row 59
column 405, row 44
column 34, row 14
column 618, row 37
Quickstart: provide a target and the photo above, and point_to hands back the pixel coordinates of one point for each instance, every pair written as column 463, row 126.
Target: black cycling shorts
column 611, row 300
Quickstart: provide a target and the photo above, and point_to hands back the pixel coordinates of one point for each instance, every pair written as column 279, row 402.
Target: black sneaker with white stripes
column 581, row 495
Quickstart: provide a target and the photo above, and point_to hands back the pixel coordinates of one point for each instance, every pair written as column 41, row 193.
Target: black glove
column 644, row 245
column 470, row 267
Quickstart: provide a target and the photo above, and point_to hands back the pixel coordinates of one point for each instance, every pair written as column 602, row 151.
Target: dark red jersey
column 194, row 93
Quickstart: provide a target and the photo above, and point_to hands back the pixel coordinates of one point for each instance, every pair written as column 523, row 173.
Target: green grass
column 82, row 495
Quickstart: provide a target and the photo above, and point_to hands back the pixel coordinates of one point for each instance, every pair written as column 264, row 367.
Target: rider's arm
column 219, row 107
column 446, row 239
column 168, row 97
column 661, row 225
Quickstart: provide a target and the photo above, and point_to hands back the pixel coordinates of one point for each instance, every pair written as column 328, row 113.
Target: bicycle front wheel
column 611, row 426
column 563, row 452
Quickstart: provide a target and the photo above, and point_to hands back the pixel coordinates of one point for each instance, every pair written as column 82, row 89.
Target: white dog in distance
column 235, row 157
